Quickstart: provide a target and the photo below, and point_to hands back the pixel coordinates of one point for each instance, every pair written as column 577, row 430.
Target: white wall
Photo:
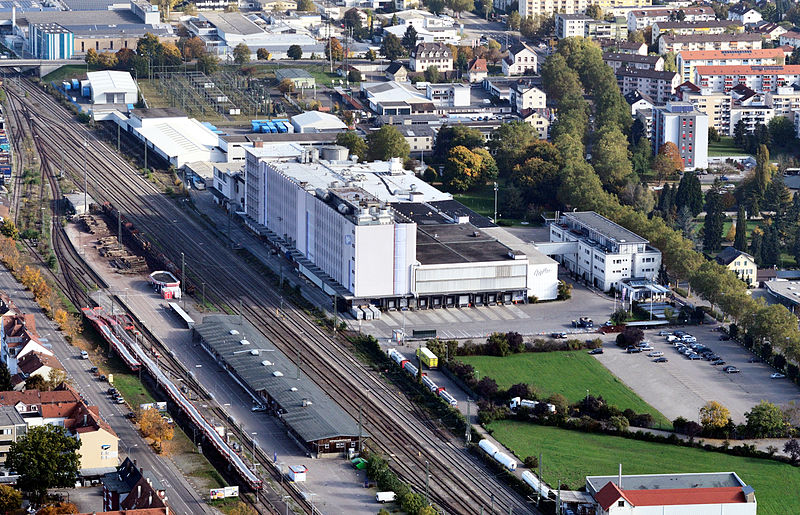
column 543, row 281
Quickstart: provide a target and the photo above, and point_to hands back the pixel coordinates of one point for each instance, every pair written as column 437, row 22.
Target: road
column 182, row 497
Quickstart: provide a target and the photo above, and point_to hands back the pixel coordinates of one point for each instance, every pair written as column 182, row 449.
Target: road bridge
column 44, row 66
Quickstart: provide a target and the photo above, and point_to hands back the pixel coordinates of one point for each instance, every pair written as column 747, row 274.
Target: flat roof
column 789, row 291
column 271, row 371
column 457, row 243
column 667, row 481
column 111, row 81
column 292, row 73
column 231, row 23
column 604, row 226
column 9, row 416
column 158, row 112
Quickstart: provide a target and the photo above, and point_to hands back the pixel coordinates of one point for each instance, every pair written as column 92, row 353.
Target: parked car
column 672, row 338
column 754, row 359
column 656, row 354
column 258, row 408
column 724, row 337
column 718, row 362
column 664, row 333
column 730, row 369
column 93, row 370
column 561, row 335
column 694, row 357
column 596, row 351
column 660, row 360
column 634, row 350
column 84, row 354
column 776, row 375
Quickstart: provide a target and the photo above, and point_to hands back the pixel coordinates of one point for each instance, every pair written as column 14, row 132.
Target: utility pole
column 427, row 476
column 119, row 229
column 468, row 431
column 204, row 296
column 85, row 176
column 359, row 429
column 118, row 138
column 145, row 154
column 495, row 203
column 183, row 279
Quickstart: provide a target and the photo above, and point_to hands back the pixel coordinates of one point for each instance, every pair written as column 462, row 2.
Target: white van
column 383, row 497
column 84, row 354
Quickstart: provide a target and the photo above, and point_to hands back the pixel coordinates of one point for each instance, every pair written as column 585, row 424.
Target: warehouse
column 112, row 87
column 376, row 233
column 309, row 414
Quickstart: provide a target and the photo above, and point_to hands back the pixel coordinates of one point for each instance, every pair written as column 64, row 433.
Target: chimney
column 619, row 479
column 258, row 144
column 139, row 491
column 150, row 499
column 85, row 416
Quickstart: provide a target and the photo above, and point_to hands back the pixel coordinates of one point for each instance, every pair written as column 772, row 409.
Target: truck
column 427, row 357
column 383, row 497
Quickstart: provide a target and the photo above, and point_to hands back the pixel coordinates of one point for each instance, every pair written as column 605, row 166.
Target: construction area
column 108, row 246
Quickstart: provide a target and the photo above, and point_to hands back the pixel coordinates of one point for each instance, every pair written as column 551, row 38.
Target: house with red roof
column 716, row 493
column 478, row 70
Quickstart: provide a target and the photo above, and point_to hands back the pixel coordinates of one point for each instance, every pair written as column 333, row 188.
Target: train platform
column 333, row 484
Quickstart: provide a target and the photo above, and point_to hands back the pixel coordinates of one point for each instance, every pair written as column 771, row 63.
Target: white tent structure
column 112, row 87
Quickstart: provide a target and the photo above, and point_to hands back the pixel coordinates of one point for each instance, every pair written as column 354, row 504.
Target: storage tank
column 506, row 461
column 488, row 447
column 334, row 153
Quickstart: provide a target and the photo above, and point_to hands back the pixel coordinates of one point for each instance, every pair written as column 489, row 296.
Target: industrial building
column 376, row 233
column 51, row 41
column 112, row 87
column 710, row 493
column 309, row 414
column 599, row 251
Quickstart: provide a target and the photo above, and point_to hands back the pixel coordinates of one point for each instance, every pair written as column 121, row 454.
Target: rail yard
column 459, row 484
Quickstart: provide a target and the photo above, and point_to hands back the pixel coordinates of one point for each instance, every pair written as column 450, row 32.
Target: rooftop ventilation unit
column 244, row 342
column 277, row 373
column 233, row 332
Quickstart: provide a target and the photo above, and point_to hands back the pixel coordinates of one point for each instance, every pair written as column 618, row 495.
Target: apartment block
column 12, row 426
column 430, row 55
column 643, row 18
column 642, row 62
column 688, row 60
column 685, row 126
column 602, row 252
column 757, row 78
column 550, row 7
column 658, row 85
column 570, row 25
column 677, row 43
column 690, row 28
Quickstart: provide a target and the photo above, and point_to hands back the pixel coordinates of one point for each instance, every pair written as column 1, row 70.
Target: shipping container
column 76, row 84
column 376, row 313
column 427, row 357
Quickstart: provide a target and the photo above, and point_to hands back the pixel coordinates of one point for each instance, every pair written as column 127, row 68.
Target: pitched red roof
column 478, row 65
column 608, row 495
column 672, row 497
column 33, row 361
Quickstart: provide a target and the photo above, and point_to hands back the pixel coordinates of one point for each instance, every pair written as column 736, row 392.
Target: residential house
column 431, row 55
column 630, row 47
column 638, row 101
column 525, row 95
column 744, row 14
column 769, row 30
column 639, row 19
column 35, row 364
column 477, row 70
column 132, row 488
column 12, row 426
column 420, row 138
column 694, row 493
column 396, row 71
column 521, row 60
column 676, row 43
column 791, row 38
column 17, row 330
column 740, row 263
column 64, row 407
column 539, row 119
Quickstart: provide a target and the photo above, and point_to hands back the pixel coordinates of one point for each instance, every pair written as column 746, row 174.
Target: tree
column 450, row 136
column 306, row 5
column 262, row 54
column 385, row 143
column 435, row 6
column 208, row 63
column 713, row 135
column 5, row 379
column 782, row 130
column 191, row 48
column 334, row 47
column 36, row 382
column 10, row 499
column 610, row 159
column 714, row 415
column 462, row 169
column 9, row 229
column 170, row 54
column 354, row 143
column 391, row 47
column 765, row 420
column 286, row 86
column 595, row 12
column 637, row 36
column 241, row 54
column 670, row 150
column 294, row 52
column 354, row 76
column 352, row 19
column 154, row 426
column 739, row 133
column 513, row 20
column 740, row 239
column 714, row 222
column 459, row 6
column 670, row 64
column 371, row 55
column 432, row 74
column 689, row 194
column 45, row 457
column 497, row 344
column 91, row 57
column 410, row 39
column 509, row 141
column 792, row 448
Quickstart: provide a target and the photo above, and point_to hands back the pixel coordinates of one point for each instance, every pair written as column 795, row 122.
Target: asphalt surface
column 181, row 496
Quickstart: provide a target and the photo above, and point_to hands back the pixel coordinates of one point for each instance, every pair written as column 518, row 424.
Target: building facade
column 676, row 43
column 430, row 55
column 521, row 60
column 740, row 263
column 758, row 78
column 680, row 123
column 691, row 28
column 658, row 85
column 51, row 41
column 602, row 252
column 617, row 60
column 688, row 60
column 639, row 19
column 550, row 7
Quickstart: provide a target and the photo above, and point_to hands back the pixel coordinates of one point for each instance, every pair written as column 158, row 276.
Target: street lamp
column 495, row 203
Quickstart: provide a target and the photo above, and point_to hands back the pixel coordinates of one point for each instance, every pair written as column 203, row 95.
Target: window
column 621, row 504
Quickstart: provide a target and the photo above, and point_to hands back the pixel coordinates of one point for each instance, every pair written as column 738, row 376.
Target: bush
column 619, row 423
column 531, row 462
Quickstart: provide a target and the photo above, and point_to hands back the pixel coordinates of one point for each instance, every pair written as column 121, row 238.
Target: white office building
column 600, row 251
column 374, row 232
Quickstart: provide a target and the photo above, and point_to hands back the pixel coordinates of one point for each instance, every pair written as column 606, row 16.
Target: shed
column 297, row 473
column 112, row 87
column 299, row 77
column 315, row 121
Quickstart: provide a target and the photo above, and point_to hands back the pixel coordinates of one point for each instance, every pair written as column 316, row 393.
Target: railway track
column 460, row 484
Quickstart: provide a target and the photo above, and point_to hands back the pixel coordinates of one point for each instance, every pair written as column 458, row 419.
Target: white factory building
column 112, row 87
column 600, row 251
column 382, row 235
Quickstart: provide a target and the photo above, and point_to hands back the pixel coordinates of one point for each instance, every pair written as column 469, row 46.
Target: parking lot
column 680, row 387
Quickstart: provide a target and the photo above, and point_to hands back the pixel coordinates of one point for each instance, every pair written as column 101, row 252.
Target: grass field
column 481, row 200
column 569, row 373
column 570, row 456
column 70, row 71
column 725, row 147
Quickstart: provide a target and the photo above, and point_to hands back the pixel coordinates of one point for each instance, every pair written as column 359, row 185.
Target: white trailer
column 488, row 447
column 506, row 461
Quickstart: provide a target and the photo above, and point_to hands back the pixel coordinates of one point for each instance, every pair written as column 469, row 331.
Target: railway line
column 460, row 484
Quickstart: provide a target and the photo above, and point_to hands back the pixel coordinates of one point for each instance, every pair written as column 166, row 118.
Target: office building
column 688, row 60
column 374, row 232
column 686, row 127
column 599, row 251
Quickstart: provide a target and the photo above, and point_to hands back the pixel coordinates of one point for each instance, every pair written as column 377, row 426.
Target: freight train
column 409, row 367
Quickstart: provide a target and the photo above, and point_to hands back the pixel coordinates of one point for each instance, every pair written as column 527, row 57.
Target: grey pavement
column 338, row 488
column 182, row 497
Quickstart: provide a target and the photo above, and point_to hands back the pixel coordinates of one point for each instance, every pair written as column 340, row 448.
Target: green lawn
column 69, row 72
column 569, row 373
column 751, row 224
column 724, row 147
column 570, row 456
column 480, row 200
column 132, row 390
